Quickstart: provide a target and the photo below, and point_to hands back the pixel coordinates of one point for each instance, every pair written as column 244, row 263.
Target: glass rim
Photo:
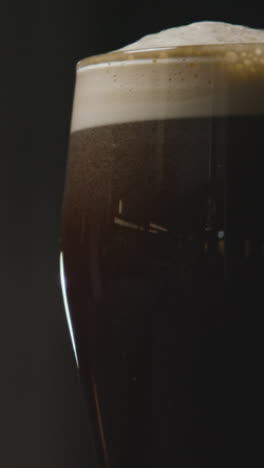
column 214, row 51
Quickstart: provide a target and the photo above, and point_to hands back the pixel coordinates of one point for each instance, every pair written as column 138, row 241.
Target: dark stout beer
column 163, row 252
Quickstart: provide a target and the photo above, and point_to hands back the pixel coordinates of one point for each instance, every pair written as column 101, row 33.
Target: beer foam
column 202, row 33
column 199, row 70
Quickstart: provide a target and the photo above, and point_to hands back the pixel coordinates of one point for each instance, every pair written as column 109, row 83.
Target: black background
column 43, row 418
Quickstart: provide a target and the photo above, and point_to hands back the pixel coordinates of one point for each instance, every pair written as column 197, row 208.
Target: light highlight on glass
column 66, row 307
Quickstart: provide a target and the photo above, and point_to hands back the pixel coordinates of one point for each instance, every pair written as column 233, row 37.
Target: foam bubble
column 219, row 71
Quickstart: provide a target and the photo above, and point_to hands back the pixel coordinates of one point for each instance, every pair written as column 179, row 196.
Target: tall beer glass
column 162, row 259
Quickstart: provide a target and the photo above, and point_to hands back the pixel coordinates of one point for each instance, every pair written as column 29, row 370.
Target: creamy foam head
column 202, row 69
column 202, row 33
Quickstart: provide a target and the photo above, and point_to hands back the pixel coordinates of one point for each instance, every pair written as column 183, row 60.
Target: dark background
column 43, row 418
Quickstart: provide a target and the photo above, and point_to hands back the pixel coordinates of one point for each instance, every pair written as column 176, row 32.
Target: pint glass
column 162, row 259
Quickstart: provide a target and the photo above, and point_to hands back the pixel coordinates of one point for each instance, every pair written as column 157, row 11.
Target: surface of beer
column 163, row 249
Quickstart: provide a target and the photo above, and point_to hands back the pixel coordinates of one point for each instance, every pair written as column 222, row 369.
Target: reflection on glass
column 66, row 307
